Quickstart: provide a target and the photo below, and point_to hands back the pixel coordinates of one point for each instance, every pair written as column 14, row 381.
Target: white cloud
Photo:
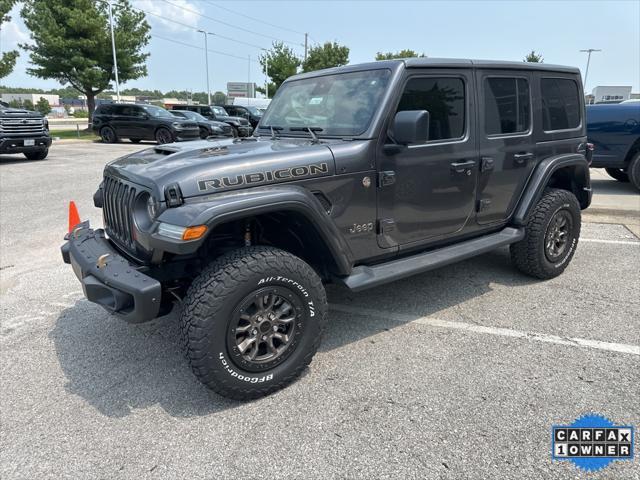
column 13, row 32
column 182, row 11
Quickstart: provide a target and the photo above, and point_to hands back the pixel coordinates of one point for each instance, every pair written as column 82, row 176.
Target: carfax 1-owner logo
column 592, row 442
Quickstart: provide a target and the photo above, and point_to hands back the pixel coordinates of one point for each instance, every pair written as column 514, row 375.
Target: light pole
column 586, row 73
column 206, row 62
column 113, row 48
column 266, row 72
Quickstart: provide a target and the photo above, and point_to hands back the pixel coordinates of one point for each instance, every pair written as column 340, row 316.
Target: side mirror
column 411, row 127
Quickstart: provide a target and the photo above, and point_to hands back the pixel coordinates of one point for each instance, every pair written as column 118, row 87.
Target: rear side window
column 443, row 98
column 560, row 104
column 507, row 108
column 105, row 110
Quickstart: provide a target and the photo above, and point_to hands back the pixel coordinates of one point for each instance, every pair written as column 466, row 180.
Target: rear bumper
column 16, row 144
column 117, row 285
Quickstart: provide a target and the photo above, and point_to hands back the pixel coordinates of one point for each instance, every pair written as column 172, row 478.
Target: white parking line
column 613, row 242
column 504, row 332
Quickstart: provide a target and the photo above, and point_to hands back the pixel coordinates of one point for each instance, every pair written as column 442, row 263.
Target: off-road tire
column 135, row 140
column 207, row 312
column 530, row 254
column 108, row 135
column 617, row 173
column 37, row 155
column 162, row 135
column 633, row 171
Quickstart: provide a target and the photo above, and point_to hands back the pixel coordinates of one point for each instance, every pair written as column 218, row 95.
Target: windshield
column 192, row 115
column 255, row 111
column 154, row 111
column 340, row 104
column 220, row 111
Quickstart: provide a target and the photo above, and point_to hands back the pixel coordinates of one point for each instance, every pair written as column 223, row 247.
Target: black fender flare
column 214, row 210
column 541, row 176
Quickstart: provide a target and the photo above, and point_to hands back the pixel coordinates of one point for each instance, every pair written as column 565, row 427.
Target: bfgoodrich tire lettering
column 208, row 320
column 551, row 235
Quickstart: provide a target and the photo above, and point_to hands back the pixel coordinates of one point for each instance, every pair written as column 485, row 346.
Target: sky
column 496, row 30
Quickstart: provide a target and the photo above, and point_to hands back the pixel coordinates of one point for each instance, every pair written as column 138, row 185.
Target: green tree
column 15, row 103
column 43, row 106
column 406, row 53
column 72, row 43
column 533, row 57
column 331, row 54
column 8, row 59
column 27, row 104
column 219, row 98
column 280, row 62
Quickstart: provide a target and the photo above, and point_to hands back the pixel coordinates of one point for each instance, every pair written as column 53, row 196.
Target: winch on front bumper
column 108, row 278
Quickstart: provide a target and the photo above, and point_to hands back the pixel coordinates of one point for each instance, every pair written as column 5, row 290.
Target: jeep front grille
column 23, row 126
column 117, row 210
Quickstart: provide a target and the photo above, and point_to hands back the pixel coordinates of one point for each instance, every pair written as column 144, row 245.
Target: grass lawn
column 73, row 134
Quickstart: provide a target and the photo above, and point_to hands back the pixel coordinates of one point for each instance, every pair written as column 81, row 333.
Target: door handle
column 521, row 158
column 461, row 167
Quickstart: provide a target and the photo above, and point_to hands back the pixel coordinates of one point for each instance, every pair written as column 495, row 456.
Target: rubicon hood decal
column 268, row 176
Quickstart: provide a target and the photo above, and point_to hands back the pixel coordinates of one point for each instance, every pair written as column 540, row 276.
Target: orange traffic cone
column 74, row 218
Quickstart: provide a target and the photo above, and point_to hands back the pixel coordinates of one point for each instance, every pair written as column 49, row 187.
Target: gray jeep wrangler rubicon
column 357, row 175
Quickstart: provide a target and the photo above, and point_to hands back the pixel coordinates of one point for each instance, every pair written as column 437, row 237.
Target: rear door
column 123, row 121
column 507, row 148
column 428, row 190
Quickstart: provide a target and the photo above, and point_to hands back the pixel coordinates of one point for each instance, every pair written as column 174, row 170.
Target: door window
column 507, row 108
column 560, row 104
column 443, row 98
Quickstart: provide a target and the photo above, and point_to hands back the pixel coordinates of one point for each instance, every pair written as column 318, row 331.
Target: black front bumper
column 116, row 285
column 16, row 144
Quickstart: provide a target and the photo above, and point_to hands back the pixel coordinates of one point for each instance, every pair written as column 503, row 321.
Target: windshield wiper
column 312, row 131
column 273, row 129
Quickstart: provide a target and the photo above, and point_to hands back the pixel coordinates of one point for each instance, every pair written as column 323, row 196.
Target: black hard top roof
column 425, row 62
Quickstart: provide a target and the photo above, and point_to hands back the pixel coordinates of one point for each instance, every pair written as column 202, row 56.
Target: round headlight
column 145, row 211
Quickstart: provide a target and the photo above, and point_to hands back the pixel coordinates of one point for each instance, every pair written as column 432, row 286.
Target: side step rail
column 363, row 277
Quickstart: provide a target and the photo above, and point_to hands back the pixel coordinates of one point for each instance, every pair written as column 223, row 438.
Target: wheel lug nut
column 275, row 328
column 254, row 332
column 264, row 337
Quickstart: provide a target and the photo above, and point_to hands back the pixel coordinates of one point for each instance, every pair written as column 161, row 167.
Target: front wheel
column 551, row 235
column 163, row 136
column 252, row 321
column 618, row 174
column 108, row 135
column 37, row 155
column 634, row 171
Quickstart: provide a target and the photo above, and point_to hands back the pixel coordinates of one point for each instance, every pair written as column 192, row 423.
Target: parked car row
column 183, row 122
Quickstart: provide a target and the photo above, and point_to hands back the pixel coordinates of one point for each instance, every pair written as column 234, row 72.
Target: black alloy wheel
column 263, row 327
column 558, row 235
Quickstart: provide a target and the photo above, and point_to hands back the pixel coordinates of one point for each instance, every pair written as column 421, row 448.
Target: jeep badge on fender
column 358, row 175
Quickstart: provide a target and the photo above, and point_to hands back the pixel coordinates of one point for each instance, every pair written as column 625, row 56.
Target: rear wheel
column 37, row 155
column 164, row 136
column 204, row 133
column 551, row 235
column 252, row 321
column 618, row 173
column 634, row 171
column 235, row 131
column 108, row 135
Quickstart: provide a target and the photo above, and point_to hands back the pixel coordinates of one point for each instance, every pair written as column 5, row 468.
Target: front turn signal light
column 194, row 233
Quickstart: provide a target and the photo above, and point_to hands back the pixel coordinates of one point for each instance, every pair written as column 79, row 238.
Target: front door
column 506, row 141
column 428, row 190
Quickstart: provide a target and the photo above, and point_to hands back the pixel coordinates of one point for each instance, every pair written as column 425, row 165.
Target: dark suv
column 208, row 128
column 250, row 113
column 241, row 126
column 359, row 176
column 141, row 122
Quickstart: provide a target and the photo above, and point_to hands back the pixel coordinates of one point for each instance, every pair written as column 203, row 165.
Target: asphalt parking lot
column 458, row 373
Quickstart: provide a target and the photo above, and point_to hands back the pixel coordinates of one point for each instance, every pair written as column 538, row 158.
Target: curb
column 613, row 212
